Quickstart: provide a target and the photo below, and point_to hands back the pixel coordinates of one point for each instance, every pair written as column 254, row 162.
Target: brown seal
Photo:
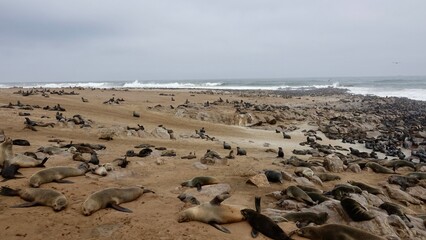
column 6, row 152
column 335, row 232
column 298, row 194
column 112, row 197
column 198, row 182
column 37, row 196
column 57, row 174
column 355, row 210
column 213, row 213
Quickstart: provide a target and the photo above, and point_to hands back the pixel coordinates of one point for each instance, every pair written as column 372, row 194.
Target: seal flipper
column 220, row 198
column 26, row 204
column 254, row 233
column 198, row 185
column 119, row 208
column 42, row 162
column 219, row 227
column 63, row 181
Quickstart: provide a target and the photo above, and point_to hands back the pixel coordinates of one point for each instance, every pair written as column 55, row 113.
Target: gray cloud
column 110, row 40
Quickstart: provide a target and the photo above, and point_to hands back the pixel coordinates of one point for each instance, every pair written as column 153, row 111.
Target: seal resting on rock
column 355, row 210
column 112, row 197
column 214, row 213
column 57, row 174
column 37, row 196
column 335, row 232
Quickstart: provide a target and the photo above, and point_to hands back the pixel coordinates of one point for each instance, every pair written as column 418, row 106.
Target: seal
column 25, row 161
column 263, row 224
column 6, row 152
column 377, row 168
column 355, row 210
column 318, row 197
column 309, row 189
column 37, row 196
column 403, row 181
column 325, row 177
column 112, row 197
column 57, row 174
column 341, row 190
column 304, row 218
column 298, row 194
column 335, row 232
column 186, row 198
column 366, row 187
column 198, row 182
column 9, row 172
column 241, row 151
column 393, row 208
column 395, row 164
column 418, row 175
column 274, row 176
column 214, row 213
column 226, row 145
column 280, row 152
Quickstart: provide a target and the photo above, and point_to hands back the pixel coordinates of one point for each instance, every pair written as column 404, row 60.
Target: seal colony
column 316, row 158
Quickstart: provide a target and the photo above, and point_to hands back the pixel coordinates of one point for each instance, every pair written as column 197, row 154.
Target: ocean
column 400, row 86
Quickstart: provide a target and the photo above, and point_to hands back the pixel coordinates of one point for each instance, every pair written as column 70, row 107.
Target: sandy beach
column 224, row 117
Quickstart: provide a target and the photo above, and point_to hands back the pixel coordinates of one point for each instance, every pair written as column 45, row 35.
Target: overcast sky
column 100, row 40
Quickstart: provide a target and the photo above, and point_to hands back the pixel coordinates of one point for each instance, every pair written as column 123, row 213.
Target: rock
column 333, row 163
column 395, row 193
column 288, row 204
column 209, row 191
column 160, row 132
column 259, row 180
column 201, row 166
column 418, row 192
column 319, row 169
column 353, row 167
column 287, row 176
column 304, row 182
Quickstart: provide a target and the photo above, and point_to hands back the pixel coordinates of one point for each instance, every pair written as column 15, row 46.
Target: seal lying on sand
column 335, row 232
column 37, row 196
column 25, row 161
column 57, row 174
column 214, row 213
column 263, row 224
column 112, row 197
column 198, row 182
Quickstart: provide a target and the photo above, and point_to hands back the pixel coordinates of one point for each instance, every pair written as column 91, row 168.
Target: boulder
column 259, row 180
column 333, row 163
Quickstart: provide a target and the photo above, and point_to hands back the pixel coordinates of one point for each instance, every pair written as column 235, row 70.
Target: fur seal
column 25, row 161
column 377, row 168
column 418, row 175
column 355, row 210
column 403, row 181
column 309, row 189
column 226, row 145
column 6, row 152
column 366, row 187
column 241, row 151
column 9, row 172
column 274, row 176
column 325, row 177
column 21, row 142
column 263, row 224
column 214, row 213
column 37, row 196
column 112, row 197
column 341, row 190
column 393, row 208
column 298, row 194
column 304, row 218
column 318, row 197
column 335, row 232
column 280, row 152
column 395, row 164
column 188, row 199
column 57, row 174
column 198, row 182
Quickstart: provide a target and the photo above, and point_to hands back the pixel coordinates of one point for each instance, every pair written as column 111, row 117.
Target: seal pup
column 298, row 194
column 213, row 213
column 57, row 174
column 37, row 196
column 403, row 181
column 241, row 151
column 9, row 172
column 393, row 208
column 335, row 232
column 21, row 142
column 356, row 211
column 226, row 145
column 280, row 152
column 274, row 176
column 198, row 182
column 377, row 168
column 263, row 224
column 25, row 161
column 366, row 187
column 112, row 197
column 122, row 162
